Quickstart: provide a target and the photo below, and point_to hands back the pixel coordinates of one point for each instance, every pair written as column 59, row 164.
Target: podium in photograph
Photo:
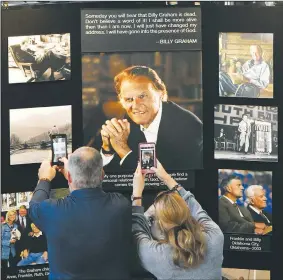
column 262, row 137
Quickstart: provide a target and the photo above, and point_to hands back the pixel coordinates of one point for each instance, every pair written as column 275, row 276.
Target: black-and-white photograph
column 39, row 58
column 244, row 132
column 4, row 202
column 12, row 201
column 31, row 130
column 22, row 198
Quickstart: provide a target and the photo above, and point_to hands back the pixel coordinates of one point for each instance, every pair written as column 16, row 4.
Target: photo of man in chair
column 246, row 65
column 39, row 58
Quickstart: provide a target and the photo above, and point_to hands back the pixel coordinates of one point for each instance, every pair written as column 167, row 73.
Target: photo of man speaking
column 148, row 113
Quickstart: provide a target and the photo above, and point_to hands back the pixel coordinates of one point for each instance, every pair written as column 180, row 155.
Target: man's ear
column 102, row 174
column 228, row 189
column 69, row 178
column 252, row 201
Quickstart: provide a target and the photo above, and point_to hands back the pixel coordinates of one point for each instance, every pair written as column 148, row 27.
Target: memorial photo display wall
column 198, row 89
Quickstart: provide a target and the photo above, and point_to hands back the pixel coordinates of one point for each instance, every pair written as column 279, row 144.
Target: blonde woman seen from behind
column 176, row 239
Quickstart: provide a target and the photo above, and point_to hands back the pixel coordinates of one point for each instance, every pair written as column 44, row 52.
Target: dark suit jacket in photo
column 88, row 232
column 179, row 141
column 259, row 218
column 230, row 220
column 148, row 164
column 20, row 245
column 27, row 229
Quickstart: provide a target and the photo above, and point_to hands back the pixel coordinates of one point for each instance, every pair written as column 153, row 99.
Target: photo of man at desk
column 39, row 58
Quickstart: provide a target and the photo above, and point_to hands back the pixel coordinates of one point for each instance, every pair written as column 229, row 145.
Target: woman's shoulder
column 215, row 241
column 5, row 226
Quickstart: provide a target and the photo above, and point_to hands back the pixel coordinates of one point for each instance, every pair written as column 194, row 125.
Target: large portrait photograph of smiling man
column 133, row 98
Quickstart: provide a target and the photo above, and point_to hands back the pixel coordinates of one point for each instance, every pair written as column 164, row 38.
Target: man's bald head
column 256, row 52
column 85, row 168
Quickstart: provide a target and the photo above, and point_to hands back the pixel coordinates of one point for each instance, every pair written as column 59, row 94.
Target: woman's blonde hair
column 10, row 213
column 181, row 230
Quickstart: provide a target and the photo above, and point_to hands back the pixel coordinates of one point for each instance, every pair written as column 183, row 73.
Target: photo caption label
column 142, row 30
column 250, row 243
column 151, row 181
column 29, row 273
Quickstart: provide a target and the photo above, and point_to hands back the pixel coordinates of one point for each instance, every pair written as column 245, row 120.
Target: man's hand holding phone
column 47, row 171
column 63, row 168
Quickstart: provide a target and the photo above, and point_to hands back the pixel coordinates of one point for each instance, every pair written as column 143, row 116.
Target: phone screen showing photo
column 147, row 157
column 59, row 145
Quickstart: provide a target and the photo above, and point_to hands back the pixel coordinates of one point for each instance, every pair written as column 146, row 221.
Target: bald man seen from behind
column 89, row 231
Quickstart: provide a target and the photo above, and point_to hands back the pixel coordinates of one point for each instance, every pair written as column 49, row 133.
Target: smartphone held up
column 147, row 157
column 59, row 148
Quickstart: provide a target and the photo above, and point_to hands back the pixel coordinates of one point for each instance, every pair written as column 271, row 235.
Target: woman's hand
column 160, row 172
column 164, row 176
column 138, row 182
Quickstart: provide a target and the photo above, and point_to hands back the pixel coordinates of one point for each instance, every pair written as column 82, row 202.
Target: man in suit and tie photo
column 222, row 135
column 245, row 132
column 147, row 160
column 234, row 218
column 24, row 226
column 150, row 118
column 257, row 203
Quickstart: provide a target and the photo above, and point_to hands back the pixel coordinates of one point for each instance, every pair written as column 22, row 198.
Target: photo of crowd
column 23, row 243
column 246, row 65
column 39, row 58
column 245, row 201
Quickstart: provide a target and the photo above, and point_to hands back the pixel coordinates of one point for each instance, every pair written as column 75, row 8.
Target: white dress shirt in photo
column 233, row 204
column 259, row 212
column 150, row 133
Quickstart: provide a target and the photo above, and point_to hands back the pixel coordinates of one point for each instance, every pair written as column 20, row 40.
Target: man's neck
column 258, row 61
column 230, row 196
column 256, row 208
